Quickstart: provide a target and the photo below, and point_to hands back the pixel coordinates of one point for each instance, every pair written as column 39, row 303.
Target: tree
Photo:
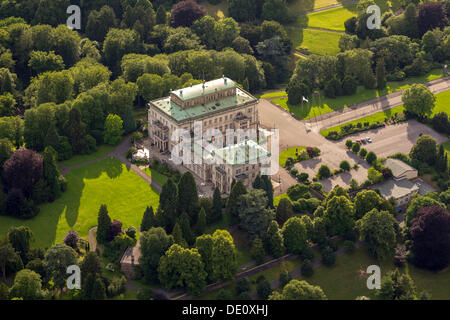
column 100, row 22
column 381, row 74
column 154, row 243
column 27, row 285
column 356, row 147
column 151, row 86
column 98, row 290
column 345, row 165
column 91, row 265
column 7, row 256
column 371, row 157
column 294, row 235
column 324, row 172
column 377, row 229
column 113, row 129
column 424, row 150
column 430, row 231
column 45, row 61
column 374, row 176
column 397, row 286
column 186, row 230
column 296, row 90
column 104, row 222
column 217, row 207
column 299, row 290
column 263, row 289
column 274, row 240
column 178, row 238
column 284, row 211
column 201, row 222
column 148, row 220
column 349, row 144
column 258, row 252
column 339, row 215
column 417, row 203
column 223, row 256
column 168, row 204
column 20, row 239
column 76, row 131
column 118, row 43
column 52, row 172
column 431, row 15
column 17, row 205
column 161, row 15
column 187, row 195
column 441, row 122
column 253, row 214
column 237, row 190
column 285, row 278
column 181, row 267
column 56, row 261
column 275, row 10
column 441, row 160
column 6, row 150
column 185, row 12
column 365, row 201
column 267, row 186
column 418, row 100
column 23, row 170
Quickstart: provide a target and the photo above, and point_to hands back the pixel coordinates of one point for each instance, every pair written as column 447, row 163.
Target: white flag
column 304, row 99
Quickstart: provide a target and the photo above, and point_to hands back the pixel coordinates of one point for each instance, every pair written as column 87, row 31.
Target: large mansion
column 219, row 104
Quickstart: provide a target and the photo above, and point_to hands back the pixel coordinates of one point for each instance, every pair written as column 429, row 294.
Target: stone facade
column 219, row 104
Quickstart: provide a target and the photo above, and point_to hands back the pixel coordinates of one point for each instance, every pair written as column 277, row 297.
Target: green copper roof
column 247, row 151
column 204, row 88
column 179, row 114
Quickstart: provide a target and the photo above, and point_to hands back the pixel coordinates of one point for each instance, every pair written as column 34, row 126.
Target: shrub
column 224, row 294
column 349, row 144
column 363, row 153
column 307, row 254
column 324, row 172
column 117, row 286
column 263, row 289
column 356, row 147
column 131, row 232
column 307, row 268
column 294, row 172
column 130, row 152
column 285, row 278
column 71, row 239
column 345, row 165
column 303, row 177
column 114, row 229
column 243, row 285
column 371, row 157
column 328, row 257
column 145, row 294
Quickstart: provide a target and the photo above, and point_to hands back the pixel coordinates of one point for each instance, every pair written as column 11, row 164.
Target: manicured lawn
column 290, row 152
column 320, row 104
column 343, row 280
column 442, row 103
column 105, row 182
column 274, row 95
column 298, row 6
column 374, row 118
column 315, row 41
column 156, row 175
column 102, row 150
column 332, row 19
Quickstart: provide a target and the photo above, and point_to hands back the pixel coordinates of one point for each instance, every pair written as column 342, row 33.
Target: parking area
column 394, row 138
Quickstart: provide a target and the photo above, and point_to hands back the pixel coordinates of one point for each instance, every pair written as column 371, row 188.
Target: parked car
column 369, row 140
column 363, row 141
column 359, row 141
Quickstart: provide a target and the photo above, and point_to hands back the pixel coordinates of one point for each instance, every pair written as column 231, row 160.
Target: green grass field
column 374, row 118
column 322, row 105
column 274, row 95
column 442, row 103
column 290, row 152
column 342, row 281
column 332, row 19
column 157, row 176
column 102, row 150
column 314, row 41
column 104, row 182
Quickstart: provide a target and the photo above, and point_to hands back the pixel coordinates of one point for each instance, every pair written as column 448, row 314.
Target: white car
column 369, row 140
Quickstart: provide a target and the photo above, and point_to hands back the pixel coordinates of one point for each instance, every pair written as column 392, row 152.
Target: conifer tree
column 188, row 235
column 98, row 290
column 232, row 204
column 104, row 222
column 168, row 205
column 201, row 222
column 161, row 15
column 267, row 184
column 258, row 252
column 217, row 206
column 51, row 172
column 178, row 236
column 188, row 196
column 148, row 220
column 274, row 240
column 381, row 74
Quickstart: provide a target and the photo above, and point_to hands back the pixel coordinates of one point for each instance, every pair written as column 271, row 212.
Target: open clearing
column 104, row 182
